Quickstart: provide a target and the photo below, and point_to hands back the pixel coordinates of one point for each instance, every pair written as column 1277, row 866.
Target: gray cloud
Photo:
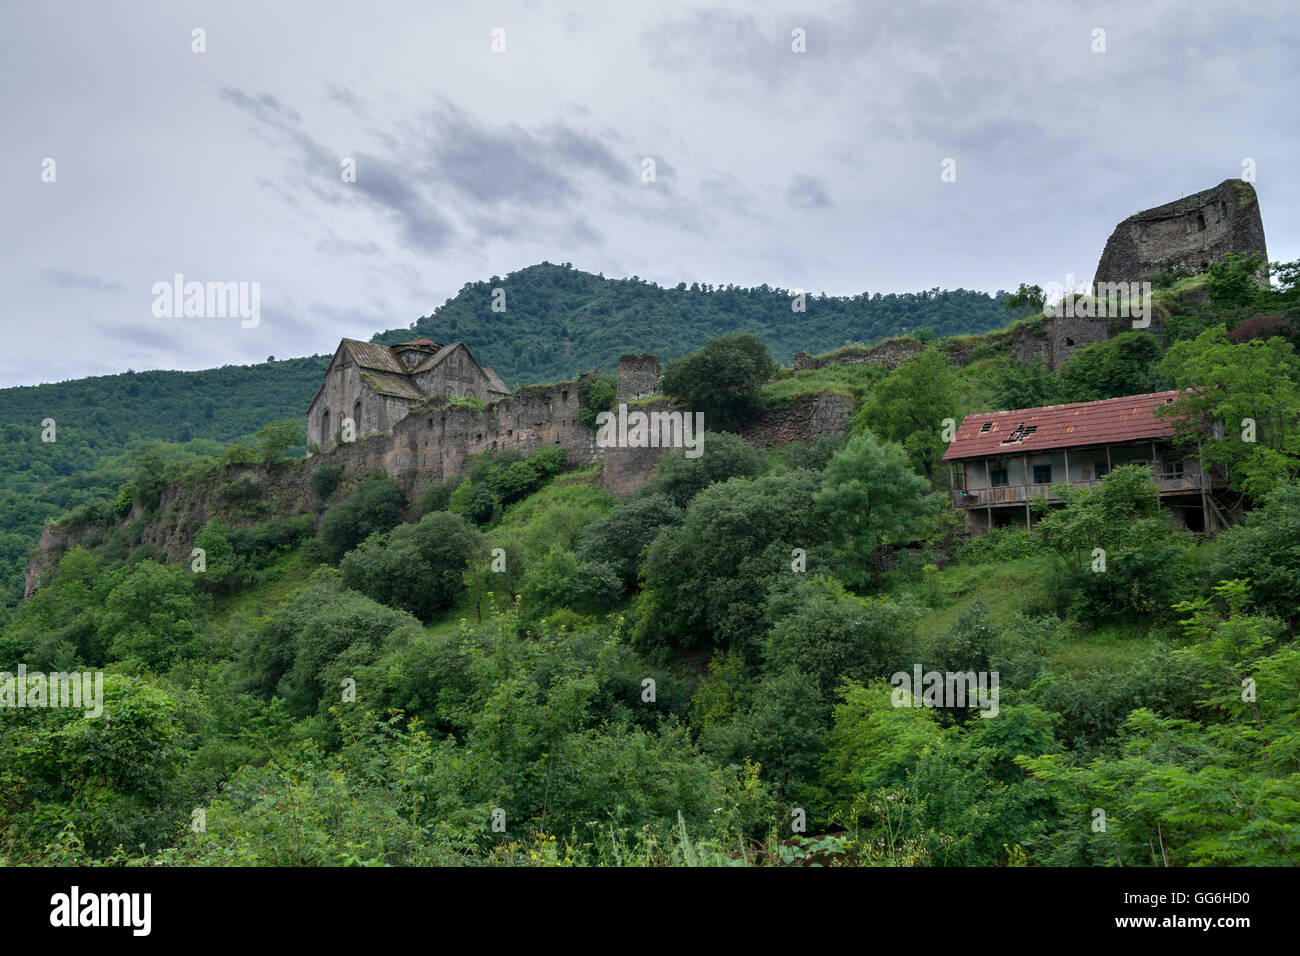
column 817, row 170
column 66, row 279
column 806, row 192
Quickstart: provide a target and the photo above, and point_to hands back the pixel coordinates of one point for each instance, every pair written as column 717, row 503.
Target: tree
column 620, row 538
column 1128, row 364
column 910, row 407
column 835, row 636
column 275, row 438
column 722, row 379
column 376, row 506
column 1265, row 550
column 150, row 616
column 1117, row 554
column 560, row 580
column 1018, row 384
column 870, row 498
column 1026, row 301
column 726, row 456
column 416, row 567
column 1251, row 389
column 703, row 580
column 290, row 650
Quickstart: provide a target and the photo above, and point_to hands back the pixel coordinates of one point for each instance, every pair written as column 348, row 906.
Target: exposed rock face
column 1190, row 232
column 54, row 541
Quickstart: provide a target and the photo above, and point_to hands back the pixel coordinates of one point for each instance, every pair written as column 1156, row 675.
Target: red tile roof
column 1110, row 421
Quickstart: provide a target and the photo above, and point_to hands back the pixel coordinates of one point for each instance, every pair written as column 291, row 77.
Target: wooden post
column 1108, row 465
column 1024, row 463
column 988, row 495
column 1155, row 473
column 1205, row 508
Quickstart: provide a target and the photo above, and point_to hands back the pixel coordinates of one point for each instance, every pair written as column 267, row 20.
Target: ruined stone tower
column 1190, row 232
column 638, row 377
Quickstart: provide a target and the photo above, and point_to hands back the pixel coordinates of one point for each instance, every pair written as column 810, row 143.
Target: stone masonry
column 1190, row 232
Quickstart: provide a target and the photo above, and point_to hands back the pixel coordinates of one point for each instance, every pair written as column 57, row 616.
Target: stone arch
column 1200, row 222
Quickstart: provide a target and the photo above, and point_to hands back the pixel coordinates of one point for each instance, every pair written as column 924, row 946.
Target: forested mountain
column 554, row 321
column 558, row 323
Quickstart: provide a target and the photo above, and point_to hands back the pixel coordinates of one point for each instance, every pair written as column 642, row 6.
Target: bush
column 325, row 479
column 376, row 506
column 725, row 456
column 722, row 379
column 417, row 568
column 620, row 538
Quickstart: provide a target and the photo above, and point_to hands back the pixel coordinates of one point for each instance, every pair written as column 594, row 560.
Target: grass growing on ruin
column 851, row 381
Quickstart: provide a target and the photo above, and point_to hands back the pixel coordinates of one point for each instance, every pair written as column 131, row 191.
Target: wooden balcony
column 1021, row 493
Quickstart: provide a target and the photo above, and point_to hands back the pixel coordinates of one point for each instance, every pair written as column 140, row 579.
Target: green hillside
column 559, row 321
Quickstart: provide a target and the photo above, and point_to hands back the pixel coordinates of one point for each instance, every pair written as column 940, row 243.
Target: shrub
column 417, row 568
column 325, row 479
column 376, row 506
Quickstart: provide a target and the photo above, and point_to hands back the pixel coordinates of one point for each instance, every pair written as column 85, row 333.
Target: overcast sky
column 818, row 170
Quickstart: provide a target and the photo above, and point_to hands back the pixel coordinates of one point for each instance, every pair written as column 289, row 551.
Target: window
column 1042, row 474
column 1174, row 469
column 998, row 476
column 1102, row 469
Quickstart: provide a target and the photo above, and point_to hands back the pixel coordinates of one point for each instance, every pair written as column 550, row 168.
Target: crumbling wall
column 1191, row 232
column 638, row 377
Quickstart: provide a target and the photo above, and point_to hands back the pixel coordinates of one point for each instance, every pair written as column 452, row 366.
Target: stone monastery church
column 376, row 386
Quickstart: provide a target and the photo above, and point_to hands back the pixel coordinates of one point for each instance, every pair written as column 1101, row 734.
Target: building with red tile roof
column 999, row 462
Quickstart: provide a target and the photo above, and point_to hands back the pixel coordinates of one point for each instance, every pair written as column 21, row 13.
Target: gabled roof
column 386, row 383
column 370, row 355
column 494, row 381
column 418, row 344
column 436, row 359
column 1080, row 424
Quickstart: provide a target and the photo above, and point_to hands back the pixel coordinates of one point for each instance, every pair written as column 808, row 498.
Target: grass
column 578, row 487
column 851, row 381
column 1005, row 588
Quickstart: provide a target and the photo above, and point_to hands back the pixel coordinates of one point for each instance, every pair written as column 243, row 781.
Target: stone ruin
column 638, row 377
column 1190, row 233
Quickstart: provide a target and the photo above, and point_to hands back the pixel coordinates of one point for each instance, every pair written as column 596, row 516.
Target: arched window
column 1200, row 222
column 325, row 433
column 356, row 415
